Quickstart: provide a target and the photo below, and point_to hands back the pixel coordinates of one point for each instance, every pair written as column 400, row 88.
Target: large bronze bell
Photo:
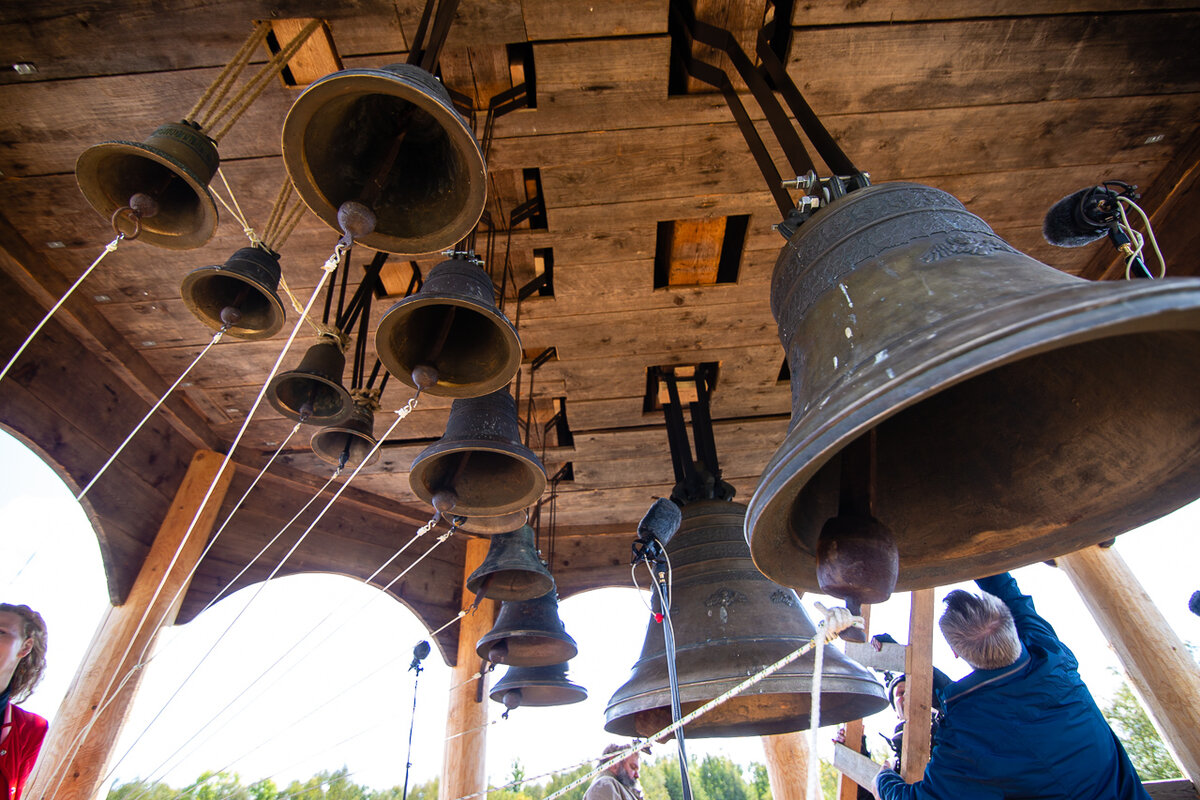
column 528, row 633
column 1019, row 412
column 537, row 686
column 312, row 392
column 479, row 467
column 172, row 167
column 729, row 623
column 511, row 570
column 452, row 324
column 352, row 440
column 247, row 284
column 390, row 139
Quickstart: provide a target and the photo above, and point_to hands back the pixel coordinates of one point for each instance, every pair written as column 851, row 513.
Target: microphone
column 1194, row 603
column 660, row 522
column 1080, row 218
column 419, row 654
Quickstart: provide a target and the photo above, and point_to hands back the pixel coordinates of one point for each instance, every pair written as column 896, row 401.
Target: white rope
column 235, row 211
column 108, row 248
column 1137, row 237
column 64, row 766
column 215, row 338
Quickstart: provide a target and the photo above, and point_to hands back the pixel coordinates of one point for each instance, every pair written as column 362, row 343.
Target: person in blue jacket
column 1022, row 724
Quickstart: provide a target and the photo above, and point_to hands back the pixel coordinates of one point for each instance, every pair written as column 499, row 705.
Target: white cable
column 1122, row 202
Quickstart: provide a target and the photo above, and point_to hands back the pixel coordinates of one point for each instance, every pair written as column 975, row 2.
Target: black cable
column 672, row 676
column 419, row 654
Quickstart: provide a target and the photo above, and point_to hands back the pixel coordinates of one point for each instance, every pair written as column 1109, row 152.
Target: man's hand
column 887, row 767
column 840, row 736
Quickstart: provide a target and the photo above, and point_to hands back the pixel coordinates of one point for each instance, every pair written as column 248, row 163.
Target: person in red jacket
column 22, row 662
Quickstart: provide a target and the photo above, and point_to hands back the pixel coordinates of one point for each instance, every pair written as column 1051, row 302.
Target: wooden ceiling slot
column 315, row 59
column 699, row 252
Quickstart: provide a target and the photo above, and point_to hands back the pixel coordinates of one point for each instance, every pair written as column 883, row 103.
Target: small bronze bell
column 451, row 324
column 390, row 139
column 352, row 440
column 479, row 467
column 528, row 633
column 1019, row 412
column 312, row 393
column 537, row 686
column 729, row 623
column 511, row 570
column 247, row 284
column 172, row 167
column 490, row 526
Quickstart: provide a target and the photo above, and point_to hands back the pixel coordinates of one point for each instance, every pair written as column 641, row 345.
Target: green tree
column 263, row 790
column 1145, row 747
column 760, row 780
column 721, row 778
column 142, row 791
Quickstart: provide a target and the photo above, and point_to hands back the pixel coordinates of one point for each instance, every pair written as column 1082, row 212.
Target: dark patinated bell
column 1019, row 412
column 312, row 392
column 172, row 167
column 729, row 623
column 537, row 686
column 528, row 633
column 351, row 440
column 247, row 283
column 479, row 462
column 390, row 139
column 451, row 324
column 512, row 569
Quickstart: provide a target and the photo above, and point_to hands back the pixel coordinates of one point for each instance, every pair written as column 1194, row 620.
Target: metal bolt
column 24, row 68
column 102, row 298
column 55, row 245
column 1155, row 139
column 149, row 344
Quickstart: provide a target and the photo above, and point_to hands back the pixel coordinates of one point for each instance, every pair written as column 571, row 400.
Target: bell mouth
column 245, row 282
column 499, row 479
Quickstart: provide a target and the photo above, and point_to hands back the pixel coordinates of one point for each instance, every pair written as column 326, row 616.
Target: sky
column 314, row 675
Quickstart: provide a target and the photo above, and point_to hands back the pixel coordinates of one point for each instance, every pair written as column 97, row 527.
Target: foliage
column 1145, row 747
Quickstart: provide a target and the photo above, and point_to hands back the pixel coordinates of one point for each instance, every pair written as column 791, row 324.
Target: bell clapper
column 230, row 316
column 424, row 376
column 444, row 501
column 306, row 409
column 356, row 220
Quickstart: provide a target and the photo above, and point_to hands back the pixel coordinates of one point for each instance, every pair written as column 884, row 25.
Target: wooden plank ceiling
column 1007, row 105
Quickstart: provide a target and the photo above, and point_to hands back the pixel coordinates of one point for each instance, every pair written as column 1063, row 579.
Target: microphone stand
column 418, row 657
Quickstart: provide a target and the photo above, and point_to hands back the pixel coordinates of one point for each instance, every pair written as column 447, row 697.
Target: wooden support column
column 464, row 766
column 847, row 788
column 787, row 764
column 110, row 673
column 1155, row 659
column 918, row 686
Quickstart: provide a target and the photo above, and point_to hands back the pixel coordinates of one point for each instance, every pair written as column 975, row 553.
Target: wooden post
column 847, row 788
column 918, row 687
column 787, row 764
column 464, row 765
column 109, row 675
column 1156, row 661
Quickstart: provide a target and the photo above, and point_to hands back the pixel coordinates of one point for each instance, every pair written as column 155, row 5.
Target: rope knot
column 837, row 619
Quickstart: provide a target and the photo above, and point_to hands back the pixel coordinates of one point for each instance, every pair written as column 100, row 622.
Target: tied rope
column 108, row 248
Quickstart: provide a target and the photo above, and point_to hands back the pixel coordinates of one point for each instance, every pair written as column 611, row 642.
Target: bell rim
column 467, row 525
column 566, row 685
column 1075, row 304
column 278, row 313
column 296, row 165
column 326, row 421
column 88, row 164
column 328, row 429
column 483, row 646
column 520, row 452
column 404, row 308
column 534, row 591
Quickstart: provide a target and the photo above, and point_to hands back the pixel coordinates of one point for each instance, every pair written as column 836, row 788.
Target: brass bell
column 451, row 324
column 537, row 686
column 247, row 284
column 312, row 392
column 390, row 139
column 352, row 439
column 490, row 526
column 511, row 570
column 528, row 633
column 172, row 167
column 1019, row 412
column 479, row 467
column 729, row 623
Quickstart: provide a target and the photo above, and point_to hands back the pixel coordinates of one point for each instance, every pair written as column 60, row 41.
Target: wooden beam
column 918, row 694
column 787, row 764
column 111, row 671
column 857, row 770
column 464, row 766
column 1156, row 660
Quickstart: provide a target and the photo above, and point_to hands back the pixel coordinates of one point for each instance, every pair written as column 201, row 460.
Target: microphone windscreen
column 421, row 650
column 661, row 521
column 1064, row 225
column 1194, row 603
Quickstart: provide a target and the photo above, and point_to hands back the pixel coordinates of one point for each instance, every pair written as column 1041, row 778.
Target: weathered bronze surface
column 729, row 623
column 537, row 686
column 390, row 139
column 511, row 570
column 314, row 386
column 481, row 460
column 1020, row 413
column 248, row 282
column 528, row 633
column 173, row 167
column 353, row 438
column 452, row 324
